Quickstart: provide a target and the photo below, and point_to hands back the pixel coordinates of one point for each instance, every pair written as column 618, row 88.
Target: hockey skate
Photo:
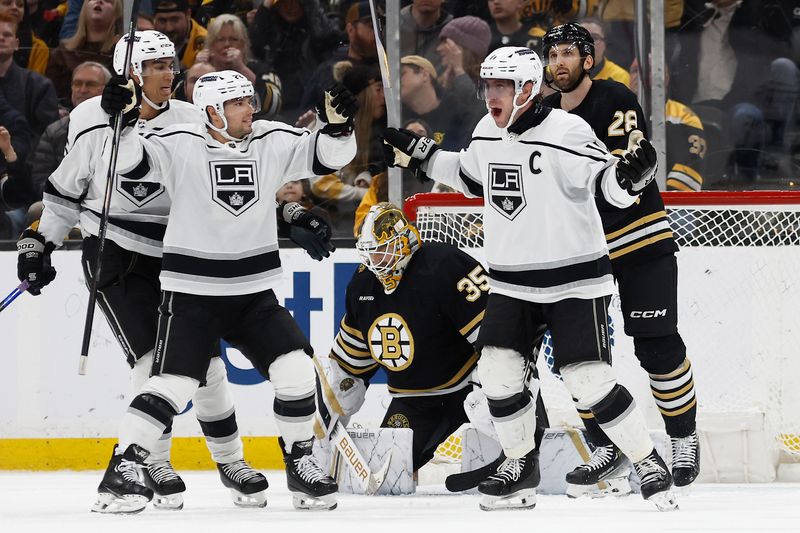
column 685, row 460
column 122, row 489
column 513, row 485
column 166, row 484
column 606, row 473
column 247, row 486
column 311, row 489
column 656, row 482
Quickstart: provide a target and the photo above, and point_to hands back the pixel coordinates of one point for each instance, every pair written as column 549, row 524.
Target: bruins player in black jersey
column 415, row 311
column 642, row 251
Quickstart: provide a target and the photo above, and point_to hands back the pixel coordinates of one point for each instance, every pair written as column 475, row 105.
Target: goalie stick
column 103, row 224
column 328, row 424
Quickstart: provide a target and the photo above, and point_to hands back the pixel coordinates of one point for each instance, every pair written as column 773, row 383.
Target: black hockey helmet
column 571, row 32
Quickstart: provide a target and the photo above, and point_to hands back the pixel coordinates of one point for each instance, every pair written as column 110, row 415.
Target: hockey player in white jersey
column 128, row 292
column 538, row 170
column 221, row 262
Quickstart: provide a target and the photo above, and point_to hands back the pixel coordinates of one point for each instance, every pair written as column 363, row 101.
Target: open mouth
column 495, row 111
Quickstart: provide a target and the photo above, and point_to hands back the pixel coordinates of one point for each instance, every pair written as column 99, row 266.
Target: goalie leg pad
column 216, row 414
column 294, row 379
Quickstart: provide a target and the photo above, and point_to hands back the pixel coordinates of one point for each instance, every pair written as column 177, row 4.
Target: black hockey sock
column 594, row 433
column 676, row 400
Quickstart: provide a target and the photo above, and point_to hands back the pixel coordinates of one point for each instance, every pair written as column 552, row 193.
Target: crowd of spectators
column 733, row 79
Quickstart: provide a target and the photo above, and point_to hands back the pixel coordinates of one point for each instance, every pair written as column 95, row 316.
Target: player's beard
column 575, row 78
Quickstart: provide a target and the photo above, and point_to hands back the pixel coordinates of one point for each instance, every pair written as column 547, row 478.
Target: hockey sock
column 515, row 422
column 675, row 398
column 594, row 433
column 624, row 424
column 145, row 421
column 215, row 411
column 160, row 451
column 295, row 419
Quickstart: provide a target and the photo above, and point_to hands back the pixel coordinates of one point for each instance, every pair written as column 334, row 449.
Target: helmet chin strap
column 224, row 129
column 515, row 108
column 157, row 107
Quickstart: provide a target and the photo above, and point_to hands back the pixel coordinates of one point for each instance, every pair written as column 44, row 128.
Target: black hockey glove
column 337, row 108
column 122, row 96
column 33, row 260
column 406, row 149
column 638, row 165
column 307, row 230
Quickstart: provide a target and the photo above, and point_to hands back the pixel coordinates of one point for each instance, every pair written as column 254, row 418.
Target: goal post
column 738, row 301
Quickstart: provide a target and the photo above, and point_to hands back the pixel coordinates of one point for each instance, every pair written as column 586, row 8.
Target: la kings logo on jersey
column 234, row 185
column 505, row 189
column 138, row 192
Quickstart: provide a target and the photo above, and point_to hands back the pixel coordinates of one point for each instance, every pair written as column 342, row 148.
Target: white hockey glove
column 406, row 149
column 638, row 165
column 337, row 109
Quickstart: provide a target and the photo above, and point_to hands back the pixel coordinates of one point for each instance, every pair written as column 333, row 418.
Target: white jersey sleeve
column 67, row 186
column 459, row 170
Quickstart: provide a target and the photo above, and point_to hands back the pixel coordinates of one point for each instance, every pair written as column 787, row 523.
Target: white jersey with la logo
column 222, row 235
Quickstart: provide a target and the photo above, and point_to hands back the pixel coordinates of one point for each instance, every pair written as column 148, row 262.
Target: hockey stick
column 328, row 423
column 22, row 287
column 103, row 226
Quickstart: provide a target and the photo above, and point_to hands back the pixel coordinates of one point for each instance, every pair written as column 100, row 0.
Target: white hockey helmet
column 386, row 243
column 518, row 64
column 147, row 46
column 216, row 88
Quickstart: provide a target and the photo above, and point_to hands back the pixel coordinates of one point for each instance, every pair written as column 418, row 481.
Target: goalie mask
column 386, row 243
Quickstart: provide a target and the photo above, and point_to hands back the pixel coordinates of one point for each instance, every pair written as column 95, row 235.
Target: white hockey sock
column 214, row 408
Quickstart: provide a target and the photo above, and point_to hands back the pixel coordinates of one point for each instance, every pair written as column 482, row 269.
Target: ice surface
column 60, row 501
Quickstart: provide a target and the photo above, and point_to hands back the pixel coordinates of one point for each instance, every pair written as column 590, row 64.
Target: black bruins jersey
column 642, row 230
column 422, row 333
column 686, row 148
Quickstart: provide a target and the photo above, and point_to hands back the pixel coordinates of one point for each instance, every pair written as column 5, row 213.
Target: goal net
column 739, row 290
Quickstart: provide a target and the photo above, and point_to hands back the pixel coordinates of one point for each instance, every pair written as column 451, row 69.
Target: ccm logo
column 351, row 456
column 649, row 314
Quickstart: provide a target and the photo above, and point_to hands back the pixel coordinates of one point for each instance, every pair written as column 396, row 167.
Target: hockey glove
column 406, row 149
column 122, row 96
column 638, row 165
column 337, row 109
column 33, row 261
column 308, row 231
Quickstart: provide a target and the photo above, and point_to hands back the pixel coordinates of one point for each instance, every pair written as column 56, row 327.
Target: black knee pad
column 156, row 407
column 660, row 355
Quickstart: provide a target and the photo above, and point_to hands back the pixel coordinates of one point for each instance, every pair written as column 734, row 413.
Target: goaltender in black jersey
column 420, row 331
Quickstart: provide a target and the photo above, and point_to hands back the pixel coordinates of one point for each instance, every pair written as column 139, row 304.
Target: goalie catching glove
column 307, row 230
column 122, row 96
column 638, row 165
column 406, row 149
column 337, row 109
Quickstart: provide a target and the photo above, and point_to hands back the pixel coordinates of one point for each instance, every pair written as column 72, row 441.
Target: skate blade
column 522, row 499
column 257, row 499
column 305, row 502
column 617, row 486
column 686, row 490
column 108, row 503
column 665, row 501
column 168, row 502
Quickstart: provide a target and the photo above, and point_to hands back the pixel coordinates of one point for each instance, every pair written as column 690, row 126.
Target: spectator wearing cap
column 423, row 98
column 342, row 191
column 26, row 91
column 420, row 24
column 604, row 68
column 173, row 18
column 88, row 80
column 463, row 44
column 360, row 48
column 294, row 37
column 99, row 29
column 228, row 48
column 509, row 29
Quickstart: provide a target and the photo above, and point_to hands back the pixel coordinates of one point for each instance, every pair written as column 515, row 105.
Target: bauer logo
column 234, row 185
column 505, row 189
